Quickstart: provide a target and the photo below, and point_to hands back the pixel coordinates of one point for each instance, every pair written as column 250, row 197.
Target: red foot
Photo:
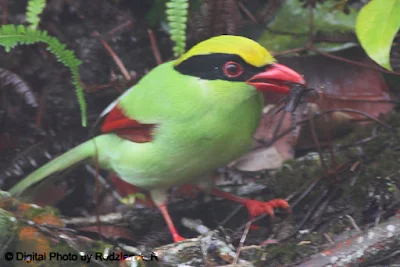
column 257, row 208
column 177, row 238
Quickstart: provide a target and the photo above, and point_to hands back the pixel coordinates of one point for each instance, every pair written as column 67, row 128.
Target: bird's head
column 237, row 59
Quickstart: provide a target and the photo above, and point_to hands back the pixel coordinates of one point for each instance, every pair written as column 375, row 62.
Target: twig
column 307, row 215
column 119, row 28
column 305, row 192
column 329, row 238
column 349, row 110
column 242, row 239
column 290, row 51
column 114, row 56
column 279, row 124
column 316, row 141
column 353, row 223
column 353, row 62
column 154, row 47
column 247, row 12
column 360, row 249
column 111, row 218
column 195, row 225
column 103, row 181
column 319, row 211
column 364, row 65
column 335, row 38
column 233, row 213
column 270, row 10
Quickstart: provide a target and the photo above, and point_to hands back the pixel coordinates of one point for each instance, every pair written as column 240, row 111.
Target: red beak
column 275, row 79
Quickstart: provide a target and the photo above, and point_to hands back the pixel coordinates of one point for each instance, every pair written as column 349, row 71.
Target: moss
column 284, row 254
column 8, row 228
column 378, row 171
column 32, row 212
column 295, row 174
column 379, row 160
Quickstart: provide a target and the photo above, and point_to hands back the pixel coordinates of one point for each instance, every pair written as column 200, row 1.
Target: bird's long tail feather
column 73, row 156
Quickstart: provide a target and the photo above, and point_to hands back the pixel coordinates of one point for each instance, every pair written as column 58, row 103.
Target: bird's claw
column 257, row 208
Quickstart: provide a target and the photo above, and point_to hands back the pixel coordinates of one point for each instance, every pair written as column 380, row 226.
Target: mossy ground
column 364, row 183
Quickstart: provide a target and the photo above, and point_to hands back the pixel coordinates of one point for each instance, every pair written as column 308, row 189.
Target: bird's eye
column 233, row 69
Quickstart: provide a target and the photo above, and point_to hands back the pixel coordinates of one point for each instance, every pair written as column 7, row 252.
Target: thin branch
column 353, row 223
column 122, row 27
column 248, row 13
column 348, row 110
column 115, row 57
column 111, row 218
column 290, row 51
column 364, row 65
column 154, row 47
column 242, row 240
column 360, row 249
column 316, row 141
column 342, row 59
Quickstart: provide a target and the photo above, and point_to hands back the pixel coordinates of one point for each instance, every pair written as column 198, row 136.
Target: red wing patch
column 116, row 122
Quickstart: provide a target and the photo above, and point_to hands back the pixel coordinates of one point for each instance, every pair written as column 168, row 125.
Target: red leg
column 159, row 197
column 171, row 226
column 254, row 207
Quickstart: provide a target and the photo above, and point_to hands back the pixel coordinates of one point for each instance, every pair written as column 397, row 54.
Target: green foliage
column 35, row 8
column 11, row 35
column 177, row 15
column 377, row 24
column 291, row 25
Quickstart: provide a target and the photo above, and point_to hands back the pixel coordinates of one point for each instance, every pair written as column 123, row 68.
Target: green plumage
column 184, row 119
column 201, row 125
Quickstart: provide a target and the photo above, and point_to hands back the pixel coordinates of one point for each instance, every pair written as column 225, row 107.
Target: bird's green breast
column 212, row 141
column 183, row 152
column 201, row 125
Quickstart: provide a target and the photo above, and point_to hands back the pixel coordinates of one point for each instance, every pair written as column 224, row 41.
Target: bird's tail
column 73, row 156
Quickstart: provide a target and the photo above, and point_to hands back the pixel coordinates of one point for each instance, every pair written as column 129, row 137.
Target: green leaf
column 376, row 26
column 290, row 27
column 177, row 12
column 11, row 35
column 34, row 9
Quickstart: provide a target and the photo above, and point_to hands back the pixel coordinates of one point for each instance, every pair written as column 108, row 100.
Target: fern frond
column 34, row 9
column 177, row 14
column 11, row 35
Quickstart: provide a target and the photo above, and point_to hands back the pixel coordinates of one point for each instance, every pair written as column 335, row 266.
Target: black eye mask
column 210, row 67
